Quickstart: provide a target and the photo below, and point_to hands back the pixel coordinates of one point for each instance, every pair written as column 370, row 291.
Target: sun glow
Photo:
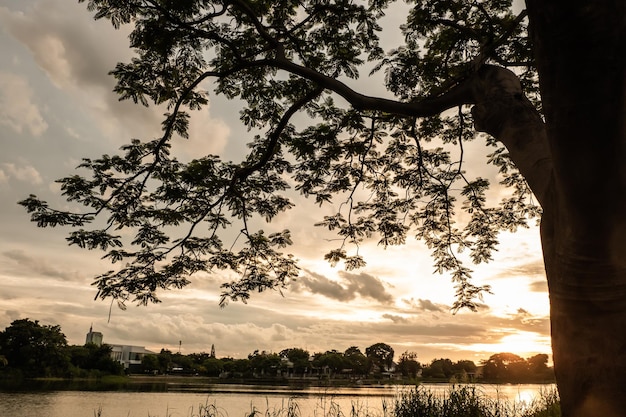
column 524, row 344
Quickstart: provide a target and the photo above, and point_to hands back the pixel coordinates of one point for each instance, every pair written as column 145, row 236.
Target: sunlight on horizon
column 523, row 344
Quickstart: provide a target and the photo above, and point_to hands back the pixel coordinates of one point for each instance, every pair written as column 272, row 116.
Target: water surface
column 228, row 400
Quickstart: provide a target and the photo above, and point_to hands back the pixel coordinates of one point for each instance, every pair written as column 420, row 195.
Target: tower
column 93, row 337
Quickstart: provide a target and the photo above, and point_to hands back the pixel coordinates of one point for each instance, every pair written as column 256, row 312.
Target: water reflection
column 179, row 398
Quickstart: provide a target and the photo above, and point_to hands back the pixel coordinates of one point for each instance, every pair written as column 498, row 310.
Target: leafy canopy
column 394, row 165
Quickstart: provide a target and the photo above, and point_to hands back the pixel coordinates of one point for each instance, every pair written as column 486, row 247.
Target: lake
column 229, row 400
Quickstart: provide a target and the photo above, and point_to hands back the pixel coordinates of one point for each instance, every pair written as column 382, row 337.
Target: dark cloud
column 395, row 318
column 521, row 320
column 529, row 269
column 367, row 285
column 319, row 284
column 348, row 288
column 426, row 305
column 539, row 286
column 38, row 266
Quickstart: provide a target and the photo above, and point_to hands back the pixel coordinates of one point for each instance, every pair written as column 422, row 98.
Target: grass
column 467, row 401
column 459, row 401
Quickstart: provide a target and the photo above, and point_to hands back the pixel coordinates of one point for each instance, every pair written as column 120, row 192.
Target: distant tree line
column 376, row 362
column 29, row 349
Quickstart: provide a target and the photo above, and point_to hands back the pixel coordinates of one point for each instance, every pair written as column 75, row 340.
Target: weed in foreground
column 468, row 401
column 459, row 401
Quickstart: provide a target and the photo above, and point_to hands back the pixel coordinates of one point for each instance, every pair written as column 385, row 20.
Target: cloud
column 530, row 269
column 17, row 109
column 39, row 266
column 539, row 286
column 425, row 305
column 349, row 287
column 61, row 40
column 395, row 318
column 367, row 285
column 25, row 173
column 281, row 333
column 77, row 53
column 428, row 305
column 319, row 284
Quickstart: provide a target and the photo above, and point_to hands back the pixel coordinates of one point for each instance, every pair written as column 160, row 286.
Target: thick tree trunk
column 584, row 255
column 580, row 50
column 575, row 164
column 588, row 315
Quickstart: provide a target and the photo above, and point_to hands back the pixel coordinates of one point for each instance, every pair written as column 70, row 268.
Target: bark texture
column 580, row 50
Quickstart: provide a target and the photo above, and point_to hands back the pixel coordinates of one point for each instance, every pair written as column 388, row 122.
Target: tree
column 289, row 57
column 213, row 366
column 34, row 349
column 439, row 368
column 538, row 367
column 183, row 362
column 464, row 366
column 238, row 367
column 298, row 357
column 381, row 356
column 165, row 358
column 94, row 357
column 538, row 364
column 332, row 360
column 265, row 363
column 356, row 360
column 150, row 363
column 505, row 367
column 408, row 364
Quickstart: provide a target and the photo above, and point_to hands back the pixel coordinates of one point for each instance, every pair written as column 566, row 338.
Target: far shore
column 315, row 381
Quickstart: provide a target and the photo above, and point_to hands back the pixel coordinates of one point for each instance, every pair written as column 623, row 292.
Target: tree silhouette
column 403, row 153
column 408, row 364
column 34, row 349
column 381, row 355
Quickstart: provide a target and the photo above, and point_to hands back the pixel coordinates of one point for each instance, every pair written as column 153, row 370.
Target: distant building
column 129, row 356
column 93, row 337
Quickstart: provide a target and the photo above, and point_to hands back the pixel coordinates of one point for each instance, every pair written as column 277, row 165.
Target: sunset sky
column 57, row 106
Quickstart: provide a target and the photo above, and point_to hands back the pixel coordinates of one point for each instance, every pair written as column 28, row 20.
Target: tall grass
column 459, row 401
column 467, row 401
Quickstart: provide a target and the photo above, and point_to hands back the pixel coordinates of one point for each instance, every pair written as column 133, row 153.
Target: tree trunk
column 584, row 254
column 587, row 287
column 575, row 165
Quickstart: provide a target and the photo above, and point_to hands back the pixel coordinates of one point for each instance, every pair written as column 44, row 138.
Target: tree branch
column 504, row 112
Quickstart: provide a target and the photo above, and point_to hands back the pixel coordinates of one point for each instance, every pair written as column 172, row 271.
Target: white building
column 129, row 356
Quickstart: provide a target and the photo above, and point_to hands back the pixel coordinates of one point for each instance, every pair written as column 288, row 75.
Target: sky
column 57, row 106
